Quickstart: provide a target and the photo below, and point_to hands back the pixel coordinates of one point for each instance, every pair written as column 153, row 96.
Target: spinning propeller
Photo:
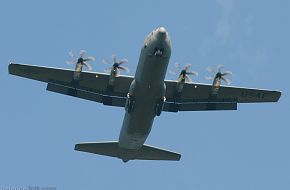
column 82, row 60
column 184, row 73
column 116, row 66
column 219, row 76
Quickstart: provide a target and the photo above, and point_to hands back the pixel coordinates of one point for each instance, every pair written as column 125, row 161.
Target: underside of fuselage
column 147, row 89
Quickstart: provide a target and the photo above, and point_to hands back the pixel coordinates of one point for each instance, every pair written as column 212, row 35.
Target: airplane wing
column 199, row 97
column 90, row 86
column 93, row 86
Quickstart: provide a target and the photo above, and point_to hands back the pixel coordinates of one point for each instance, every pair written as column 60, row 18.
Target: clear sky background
column 244, row 149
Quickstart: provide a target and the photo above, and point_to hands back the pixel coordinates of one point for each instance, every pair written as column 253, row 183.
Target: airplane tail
column 112, row 149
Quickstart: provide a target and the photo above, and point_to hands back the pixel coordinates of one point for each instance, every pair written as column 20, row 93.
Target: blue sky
column 244, row 149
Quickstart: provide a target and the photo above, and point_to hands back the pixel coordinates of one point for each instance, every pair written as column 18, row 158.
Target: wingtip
column 179, row 157
column 10, row 67
column 279, row 95
column 76, row 147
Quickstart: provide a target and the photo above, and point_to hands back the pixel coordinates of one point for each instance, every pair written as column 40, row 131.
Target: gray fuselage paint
column 147, row 88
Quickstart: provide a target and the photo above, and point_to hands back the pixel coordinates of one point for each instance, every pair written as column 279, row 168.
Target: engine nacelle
column 77, row 72
column 111, row 82
column 215, row 86
column 113, row 76
column 179, row 87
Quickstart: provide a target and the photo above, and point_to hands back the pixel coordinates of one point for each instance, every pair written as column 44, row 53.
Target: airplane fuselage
column 147, row 90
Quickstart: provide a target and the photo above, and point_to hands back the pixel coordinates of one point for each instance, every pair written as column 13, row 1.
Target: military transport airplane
column 144, row 96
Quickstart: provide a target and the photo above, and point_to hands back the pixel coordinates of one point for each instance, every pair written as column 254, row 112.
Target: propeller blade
column 71, row 53
column 222, row 75
column 91, row 58
column 188, row 78
column 114, row 58
column 82, row 52
column 187, row 67
column 116, row 64
column 88, row 66
column 122, row 61
column 219, row 67
column 193, row 73
column 227, row 73
column 123, row 68
column 227, row 81
column 117, row 72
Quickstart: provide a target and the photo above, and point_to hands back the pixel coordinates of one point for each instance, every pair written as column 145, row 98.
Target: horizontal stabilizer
column 112, row 149
column 102, row 148
column 154, row 153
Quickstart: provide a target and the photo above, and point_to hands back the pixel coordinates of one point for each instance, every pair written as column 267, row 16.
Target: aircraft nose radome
column 162, row 30
column 162, row 33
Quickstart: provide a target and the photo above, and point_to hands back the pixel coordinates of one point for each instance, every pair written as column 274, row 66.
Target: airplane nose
column 162, row 33
column 162, row 30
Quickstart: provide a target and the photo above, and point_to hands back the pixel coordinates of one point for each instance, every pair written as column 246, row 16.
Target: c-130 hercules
column 144, row 96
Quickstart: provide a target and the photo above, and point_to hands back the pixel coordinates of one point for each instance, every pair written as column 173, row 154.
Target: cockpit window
column 158, row 52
